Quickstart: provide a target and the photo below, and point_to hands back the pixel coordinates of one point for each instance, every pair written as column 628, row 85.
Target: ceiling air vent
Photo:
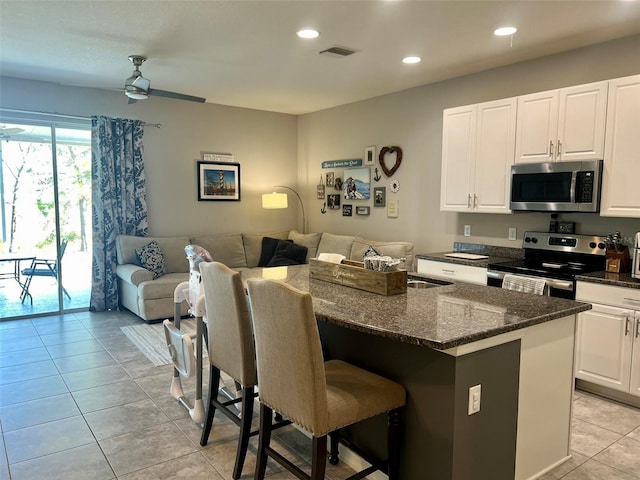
column 337, row 51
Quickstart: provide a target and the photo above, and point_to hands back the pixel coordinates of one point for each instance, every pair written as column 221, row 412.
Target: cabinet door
column 604, row 342
column 537, row 127
column 458, row 155
column 620, row 192
column 634, row 388
column 494, row 155
column 583, row 112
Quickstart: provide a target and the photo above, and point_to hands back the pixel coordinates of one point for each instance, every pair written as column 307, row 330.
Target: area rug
column 150, row 339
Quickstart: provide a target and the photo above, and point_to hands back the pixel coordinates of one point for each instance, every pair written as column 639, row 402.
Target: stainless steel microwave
column 556, row 186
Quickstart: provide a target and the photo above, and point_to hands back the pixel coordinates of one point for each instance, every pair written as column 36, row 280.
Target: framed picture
column 217, row 157
column 329, row 179
column 362, row 210
column 379, row 196
column 370, row 155
column 338, row 184
column 320, row 191
column 218, row 181
column 333, row 201
column 357, row 183
column 347, row 210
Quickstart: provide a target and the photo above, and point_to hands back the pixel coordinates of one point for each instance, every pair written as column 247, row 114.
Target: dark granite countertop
column 442, row 317
column 607, row 278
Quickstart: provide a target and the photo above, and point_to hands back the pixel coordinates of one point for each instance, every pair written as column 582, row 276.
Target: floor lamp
column 280, row 200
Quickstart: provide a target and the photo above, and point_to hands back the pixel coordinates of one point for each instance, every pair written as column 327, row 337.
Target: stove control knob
column 601, row 246
column 527, row 239
column 534, row 240
column 592, row 245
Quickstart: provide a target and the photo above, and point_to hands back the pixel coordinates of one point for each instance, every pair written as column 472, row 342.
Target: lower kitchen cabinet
column 608, row 337
column 452, row 271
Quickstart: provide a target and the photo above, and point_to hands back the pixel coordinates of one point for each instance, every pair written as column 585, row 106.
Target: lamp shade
column 274, row 200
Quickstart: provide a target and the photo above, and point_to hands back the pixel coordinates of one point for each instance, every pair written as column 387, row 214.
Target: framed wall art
column 347, row 210
column 333, row 201
column 218, row 181
column 217, row 157
column 362, row 210
column 357, row 184
column 379, row 196
column 329, row 179
column 370, row 155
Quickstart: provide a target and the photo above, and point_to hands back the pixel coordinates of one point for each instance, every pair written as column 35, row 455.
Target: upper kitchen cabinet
column 562, row 125
column 477, row 153
column 620, row 192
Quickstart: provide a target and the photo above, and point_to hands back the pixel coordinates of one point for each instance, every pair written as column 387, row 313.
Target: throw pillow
column 269, row 249
column 288, row 253
column 150, row 257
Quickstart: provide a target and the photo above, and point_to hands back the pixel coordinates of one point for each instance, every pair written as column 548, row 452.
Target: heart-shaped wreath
column 381, row 159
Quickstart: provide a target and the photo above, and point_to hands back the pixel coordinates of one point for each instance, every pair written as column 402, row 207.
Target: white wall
column 263, row 143
column 412, row 119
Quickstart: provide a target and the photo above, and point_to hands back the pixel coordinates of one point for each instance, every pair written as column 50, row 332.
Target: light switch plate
column 512, row 233
column 467, row 230
column 392, row 209
column 474, row 399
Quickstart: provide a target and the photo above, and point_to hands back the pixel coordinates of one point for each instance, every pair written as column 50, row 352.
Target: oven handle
column 558, row 284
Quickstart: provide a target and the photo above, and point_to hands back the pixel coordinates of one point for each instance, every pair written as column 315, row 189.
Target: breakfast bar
column 441, row 340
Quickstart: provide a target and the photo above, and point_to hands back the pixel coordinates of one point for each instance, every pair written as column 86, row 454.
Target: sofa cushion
column 392, row 249
column 133, row 274
column 309, row 240
column 330, row 243
column 227, row 249
column 162, row 287
column 288, row 253
column 151, row 258
column 253, row 245
column 172, row 249
column 269, row 246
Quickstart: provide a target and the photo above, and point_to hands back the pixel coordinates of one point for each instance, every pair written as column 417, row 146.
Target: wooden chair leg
column 393, row 444
column 334, row 438
column 264, row 440
column 245, row 431
column 214, row 382
column 319, row 458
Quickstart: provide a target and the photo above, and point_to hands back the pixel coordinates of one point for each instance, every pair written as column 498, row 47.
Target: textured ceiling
column 246, row 53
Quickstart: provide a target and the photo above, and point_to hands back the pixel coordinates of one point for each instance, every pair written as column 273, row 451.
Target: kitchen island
column 438, row 342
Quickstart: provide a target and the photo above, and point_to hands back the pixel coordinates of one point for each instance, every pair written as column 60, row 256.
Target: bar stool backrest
column 291, row 372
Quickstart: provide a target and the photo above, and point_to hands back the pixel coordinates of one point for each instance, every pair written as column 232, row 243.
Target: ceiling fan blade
column 178, row 96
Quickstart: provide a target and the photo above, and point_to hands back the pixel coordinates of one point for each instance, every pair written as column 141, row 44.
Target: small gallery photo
column 347, row 210
column 333, row 201
column 362, row 210
column 379, row 195
column 329, row 179
column 370, row 155
column 320, row 192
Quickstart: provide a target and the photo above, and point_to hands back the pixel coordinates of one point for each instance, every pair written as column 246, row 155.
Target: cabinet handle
column 632, row 300
column 551, row 148
column 626, row 326
column 475, row 201
column 637, row 327
column 448, row 272
column 559, row 149
column 469, row 201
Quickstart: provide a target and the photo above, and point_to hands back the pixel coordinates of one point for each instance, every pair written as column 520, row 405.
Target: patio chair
column 41, row 267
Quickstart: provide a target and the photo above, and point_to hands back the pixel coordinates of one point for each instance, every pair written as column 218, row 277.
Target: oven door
column 555, row 287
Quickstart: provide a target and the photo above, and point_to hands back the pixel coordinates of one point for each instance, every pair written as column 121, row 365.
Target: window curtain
column 119, row 201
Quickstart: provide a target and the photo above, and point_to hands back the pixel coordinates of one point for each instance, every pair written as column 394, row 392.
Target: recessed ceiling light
column 411, row 60
column 504, row 31
column 308, row 33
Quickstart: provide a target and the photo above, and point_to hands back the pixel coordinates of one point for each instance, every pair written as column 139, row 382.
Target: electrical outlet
column 474, row 399
column 512, row 233
column 467, row 230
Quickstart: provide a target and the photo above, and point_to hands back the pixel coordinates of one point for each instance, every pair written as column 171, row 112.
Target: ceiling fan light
column 504, row 31
column 135, row 93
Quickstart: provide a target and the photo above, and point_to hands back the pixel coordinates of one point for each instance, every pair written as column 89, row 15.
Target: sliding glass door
column 45, row 218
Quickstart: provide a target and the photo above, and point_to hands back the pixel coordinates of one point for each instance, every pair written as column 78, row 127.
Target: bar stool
column 231, row 350
column 295, row 381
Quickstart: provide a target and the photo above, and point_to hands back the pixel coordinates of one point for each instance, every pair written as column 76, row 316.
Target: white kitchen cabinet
column 477, row 153
column 621, row 170
column 562, row 125
column 608, row 337
column 452, row 271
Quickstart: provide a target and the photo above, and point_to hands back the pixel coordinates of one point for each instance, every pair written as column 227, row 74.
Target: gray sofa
column 152, row 299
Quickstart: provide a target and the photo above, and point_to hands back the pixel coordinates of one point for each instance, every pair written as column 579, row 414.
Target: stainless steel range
column 556, row 258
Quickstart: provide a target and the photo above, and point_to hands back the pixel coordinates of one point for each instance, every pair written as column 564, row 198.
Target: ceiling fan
column 136, row 87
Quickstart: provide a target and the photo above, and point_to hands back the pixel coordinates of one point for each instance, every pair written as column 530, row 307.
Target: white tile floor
column 79, row 401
